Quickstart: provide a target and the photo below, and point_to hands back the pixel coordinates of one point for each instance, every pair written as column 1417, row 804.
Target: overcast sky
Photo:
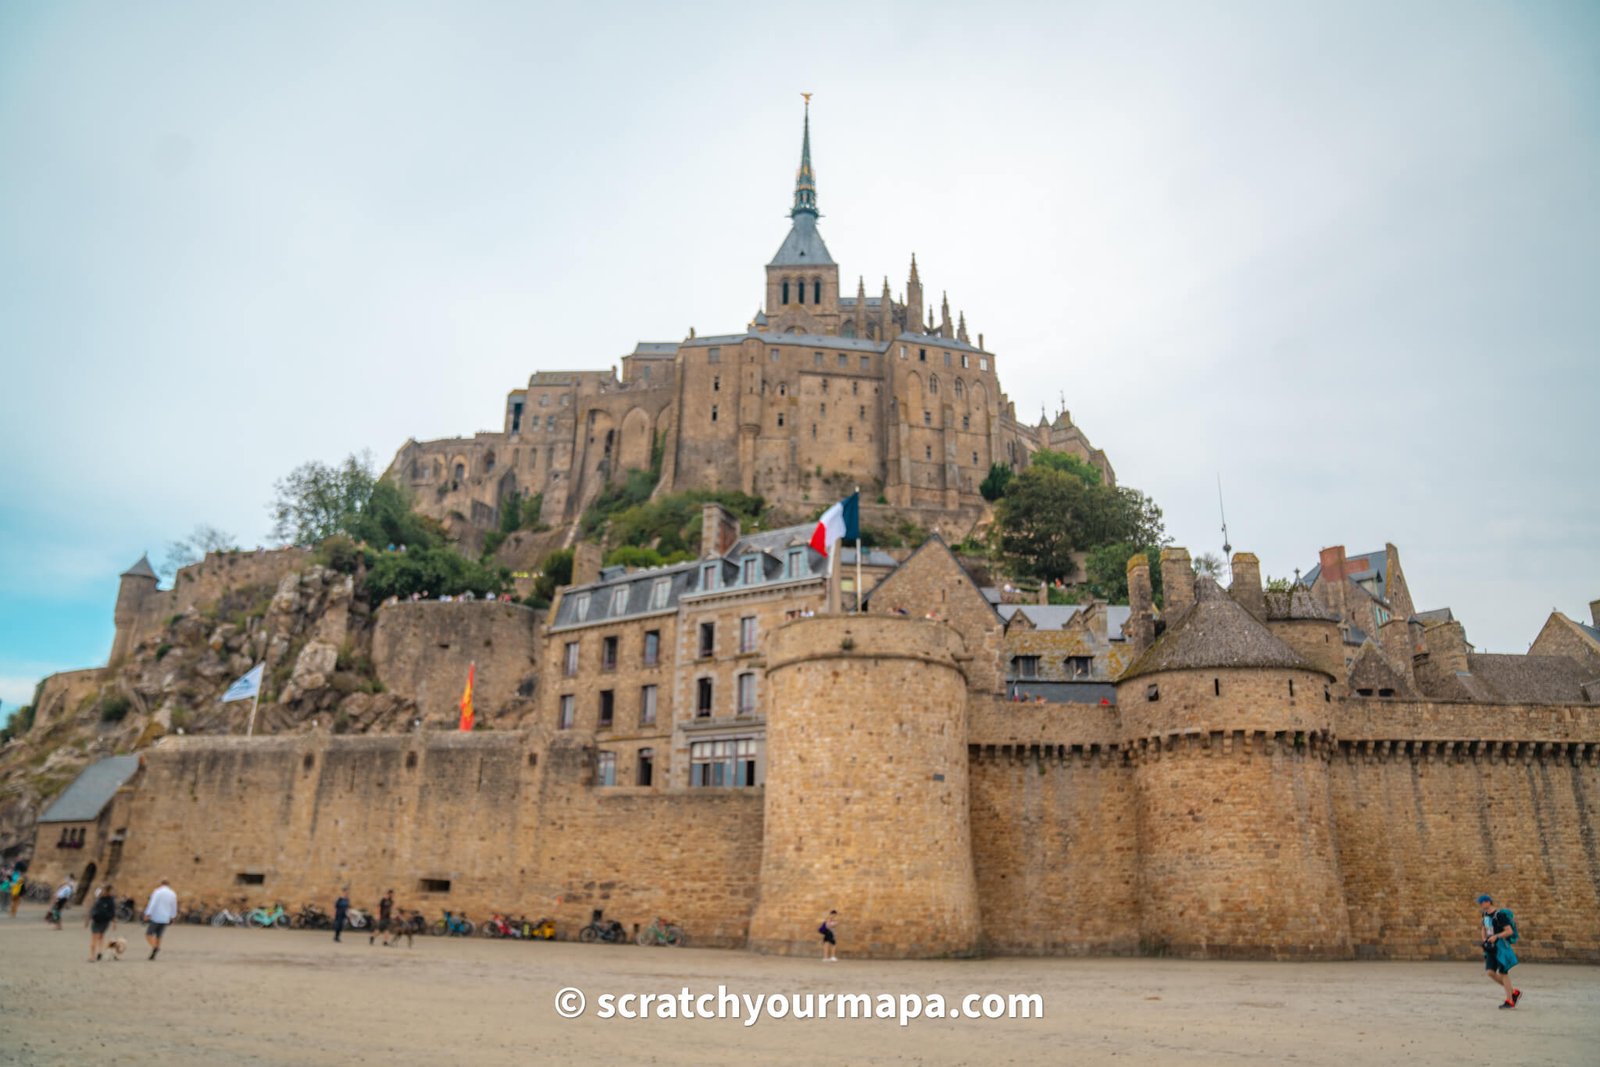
column 1346, row 258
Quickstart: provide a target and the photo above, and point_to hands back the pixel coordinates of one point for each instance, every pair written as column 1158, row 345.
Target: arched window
column 785, row 292
column 961, row 390
column 461, row 471
column 816, row 292
column 848, row 329
column 933, row 385
column 800, row 295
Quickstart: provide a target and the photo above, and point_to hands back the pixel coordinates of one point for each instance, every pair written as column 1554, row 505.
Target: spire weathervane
column 805, row 182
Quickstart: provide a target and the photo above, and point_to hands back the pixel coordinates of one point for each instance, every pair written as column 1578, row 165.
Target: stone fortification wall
column 508, row 824
column 421, row 651
column 867, row 791
column 1436, row 803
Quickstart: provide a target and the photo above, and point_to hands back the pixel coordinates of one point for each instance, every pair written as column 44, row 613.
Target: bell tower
column 802, row 279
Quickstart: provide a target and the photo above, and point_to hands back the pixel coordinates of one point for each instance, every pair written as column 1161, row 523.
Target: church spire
column 805, row 182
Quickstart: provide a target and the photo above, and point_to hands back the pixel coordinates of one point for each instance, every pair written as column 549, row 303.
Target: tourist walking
column 159, row 912
column 102, row 917
column 385, row 916
column 341, row 912
column 830, row 945
column 1499, row 934
column 62, row 898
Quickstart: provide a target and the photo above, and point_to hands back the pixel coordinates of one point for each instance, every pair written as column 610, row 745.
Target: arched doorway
column 86, row 882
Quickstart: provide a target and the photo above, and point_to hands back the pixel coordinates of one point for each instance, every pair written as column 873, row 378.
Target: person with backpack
column 102, row 917
column 1499, row 934
column 830, row 945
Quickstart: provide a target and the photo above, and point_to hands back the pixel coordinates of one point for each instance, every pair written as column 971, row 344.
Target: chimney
column 1246, row 588
column 586, row 557
column 1447, row 647
column 1332, row 562
column 1594, row 613
column 719, row 529
column 1177, row 581
column 1140, row 629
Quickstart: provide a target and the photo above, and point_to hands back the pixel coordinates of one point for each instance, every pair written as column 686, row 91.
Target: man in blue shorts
column 1499, row 931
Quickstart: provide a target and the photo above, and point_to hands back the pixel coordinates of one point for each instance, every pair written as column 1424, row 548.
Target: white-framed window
column 752, row 571
column 709, row 575
column 647, row 705
column 902, row 351
column 747, row 693
column 568, row 713
column 966, row 361
column 605, row 768
column 726, row 762
column 660, row 591
column 652, row 647
column 580, row 607
column 619, row 600
column 792, row 563
column 747, row 634
column 569, row 659
column 983, row 362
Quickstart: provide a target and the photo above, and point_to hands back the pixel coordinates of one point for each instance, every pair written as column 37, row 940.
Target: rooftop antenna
column 1227, row 549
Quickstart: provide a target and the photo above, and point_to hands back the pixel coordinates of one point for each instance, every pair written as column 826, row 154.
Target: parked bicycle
column 311, row 917
column 356, row 919
column 662, row 932
column 608, row 930
column 38, row 892
column 125, row 911
column 276, row 917
column 543, row 930
column 229, row 917
column 196, row 913
column 453, row 924
column 498, row 926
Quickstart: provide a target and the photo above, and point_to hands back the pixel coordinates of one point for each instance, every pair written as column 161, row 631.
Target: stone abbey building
column 821, row 391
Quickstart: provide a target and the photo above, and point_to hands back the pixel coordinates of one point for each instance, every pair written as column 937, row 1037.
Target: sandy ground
column 286, row 997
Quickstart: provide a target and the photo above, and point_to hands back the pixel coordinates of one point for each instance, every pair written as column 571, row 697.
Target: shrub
column 162, row 649
column 114, row 707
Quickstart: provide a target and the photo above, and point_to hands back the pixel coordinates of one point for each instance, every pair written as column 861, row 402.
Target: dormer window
column 659, row 592
column 752, row 571
column 708, row 576
column 791, row 563
column 619, row 600
column 580, row 607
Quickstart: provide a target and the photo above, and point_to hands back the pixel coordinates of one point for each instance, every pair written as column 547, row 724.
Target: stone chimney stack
column 586, row 557
column 1246, row 588
column 1140, row 630
column 719, row 529
column 1447, row 648
column 1594, row 613
column 1177, row 581
column 1394, row 637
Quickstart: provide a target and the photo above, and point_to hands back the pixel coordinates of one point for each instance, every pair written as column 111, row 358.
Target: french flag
column 842, row 522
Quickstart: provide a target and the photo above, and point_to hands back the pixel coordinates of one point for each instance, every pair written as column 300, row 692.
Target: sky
column 1344, row 258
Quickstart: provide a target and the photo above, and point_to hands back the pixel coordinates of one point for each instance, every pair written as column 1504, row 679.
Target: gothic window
column 847, row 330
column 933, row 384
column 816, row 292
column 961, row 390
column 800, row 294
column 785, row 299
column 461, row 471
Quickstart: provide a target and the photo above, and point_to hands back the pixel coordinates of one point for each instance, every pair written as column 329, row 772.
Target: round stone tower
column 866, row 790
column 1229, row 732
column 138, row 582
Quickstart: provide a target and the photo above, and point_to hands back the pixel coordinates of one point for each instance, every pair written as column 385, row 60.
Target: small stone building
column 83, row 831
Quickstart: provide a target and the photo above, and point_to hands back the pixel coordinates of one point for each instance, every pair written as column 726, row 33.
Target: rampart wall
column 422, row 651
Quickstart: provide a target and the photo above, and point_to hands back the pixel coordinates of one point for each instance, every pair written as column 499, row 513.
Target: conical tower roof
column 141, row 569
column 803, row 246
column 1215, row 633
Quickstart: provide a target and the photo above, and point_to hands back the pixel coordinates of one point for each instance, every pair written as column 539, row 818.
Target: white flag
column 246, row 687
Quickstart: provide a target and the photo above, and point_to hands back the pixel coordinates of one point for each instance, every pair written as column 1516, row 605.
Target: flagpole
column 860, row 592
column 255, row 701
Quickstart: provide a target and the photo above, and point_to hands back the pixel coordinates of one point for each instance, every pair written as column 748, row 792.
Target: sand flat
column 287, row 997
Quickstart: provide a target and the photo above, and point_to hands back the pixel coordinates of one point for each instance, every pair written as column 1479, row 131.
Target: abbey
column 821, row 391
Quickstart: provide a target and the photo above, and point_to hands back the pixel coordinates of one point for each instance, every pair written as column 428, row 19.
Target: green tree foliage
column 385, row 518
column 440, row 571
column 1278, row 585
column 639, row 556
column 193, row 549
column 1066, row 463
column 671, row 524
column 317, row 500
column 1209, row 565
column 1060, row 506
column 554, row 572
column 993, row 487
column 1106, row 571
column 19, row 723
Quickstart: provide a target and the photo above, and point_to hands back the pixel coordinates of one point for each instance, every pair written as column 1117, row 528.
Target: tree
column 192, row 549
column 993, row 487
column 1067, row 463
column 1209, row 565
column 1046, row 515
column 316, row 500
column 1106, row 571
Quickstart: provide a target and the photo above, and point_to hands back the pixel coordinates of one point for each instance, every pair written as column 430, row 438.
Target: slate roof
column 1214, row 633
column 92, row 790
column 655, row 349
column 1437, row 615
column 1297, row 603
column 1056, row 616
column 803, row 247
column 142, row 569
column 933, row 340
column 1372, row 564
column 1527, row 679
column 1062, row 692
column 1372, row 670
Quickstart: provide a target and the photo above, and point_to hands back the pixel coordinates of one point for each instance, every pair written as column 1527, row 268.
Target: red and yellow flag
column 466, row 699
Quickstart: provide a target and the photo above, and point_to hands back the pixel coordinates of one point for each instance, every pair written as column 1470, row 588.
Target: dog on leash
column 117, row 946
